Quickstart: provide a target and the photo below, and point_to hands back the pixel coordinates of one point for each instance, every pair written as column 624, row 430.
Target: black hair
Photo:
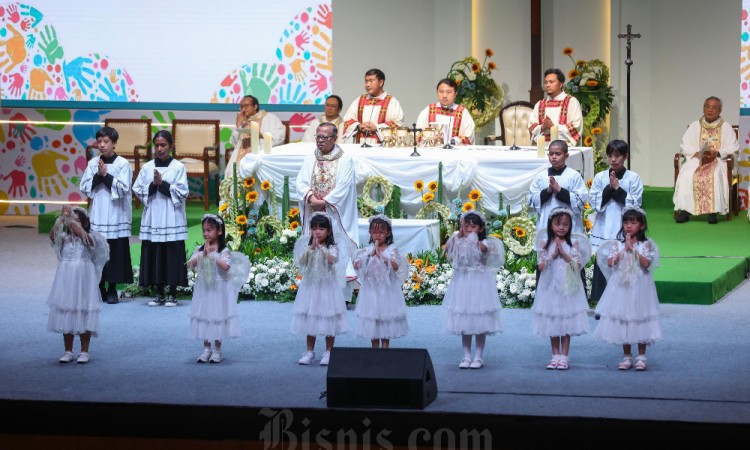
column 551, row 232
column 166, row 135
column 377, row 72
column 559, row 143
column 619, row 146
column 334, row 128
column 448, row 82
column 558, row 72
column 379, row 223
column 109, row 132
column 253, row 100
column 84, row 219
column 475, row 219
column 322, row 221
column 218, row 225
column 638, row 216
column 338, row 100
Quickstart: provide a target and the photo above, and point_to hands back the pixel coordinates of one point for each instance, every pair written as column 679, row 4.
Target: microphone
column 449, row 134
column 515, row 117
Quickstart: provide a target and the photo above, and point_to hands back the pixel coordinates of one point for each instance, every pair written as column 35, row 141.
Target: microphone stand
column 515, row 117
column 367, row 132
column 448, row 145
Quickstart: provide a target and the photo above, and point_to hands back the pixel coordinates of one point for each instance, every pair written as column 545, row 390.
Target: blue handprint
column 76, row 70
column 32, row 12
column 286, row 95
column 49, row 44
column 112, row 96
column 30, row 40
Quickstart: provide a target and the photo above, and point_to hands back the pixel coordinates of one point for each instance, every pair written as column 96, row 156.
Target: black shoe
column 112, row 299
column 597, row 316
column 712, row 219
column 682, row 217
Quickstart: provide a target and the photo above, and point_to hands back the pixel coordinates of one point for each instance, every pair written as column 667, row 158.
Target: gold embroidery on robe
column 324, row 177
column 703, row 178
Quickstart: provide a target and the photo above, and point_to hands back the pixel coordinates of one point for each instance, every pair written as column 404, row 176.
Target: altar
column 493, row 170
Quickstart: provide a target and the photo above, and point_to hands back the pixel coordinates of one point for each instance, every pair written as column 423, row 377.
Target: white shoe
column 476, row 364
column 205, row 356
column 171, row 301
column 66, row 358
column 215, row 357
column 158, row 301
column 83, row 358
column 324, row 359
column 307, row 358
column 464, row 364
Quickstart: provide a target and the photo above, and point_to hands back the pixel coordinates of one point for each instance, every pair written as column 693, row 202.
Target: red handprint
column 13, row 13
column 298, row 119
column 22, row 130
column 325, row 16
column 228, row 80
column 15, row 84
column 319, row 84
column 301, row 39
column 17, row 183
column 20, row 161
column 26, row 24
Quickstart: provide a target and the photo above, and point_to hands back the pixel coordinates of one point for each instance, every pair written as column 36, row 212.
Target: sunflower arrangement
column 518, row 234
column 477, row 91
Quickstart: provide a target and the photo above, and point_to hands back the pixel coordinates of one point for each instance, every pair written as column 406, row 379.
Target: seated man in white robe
column 446, row 113
column 371, row 112
column 702, row 186
column 267, row 123
column 331, row 114
column 558, row 110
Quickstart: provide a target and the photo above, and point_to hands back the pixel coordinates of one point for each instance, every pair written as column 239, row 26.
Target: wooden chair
column 733, row 179
column 133, row 144
column 514, row 119
column 196, row 145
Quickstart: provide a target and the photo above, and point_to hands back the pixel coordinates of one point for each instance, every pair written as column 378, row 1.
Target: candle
column 267, row 139
column 540, row 147
column 254, row 137
column 553, row 133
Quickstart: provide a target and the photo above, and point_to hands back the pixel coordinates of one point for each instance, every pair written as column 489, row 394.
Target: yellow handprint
column 113, row 76
column 47, row 175
column 77, row 94
column 299, row 74
column 15, row 49
column 326, row 52
column 38, row 78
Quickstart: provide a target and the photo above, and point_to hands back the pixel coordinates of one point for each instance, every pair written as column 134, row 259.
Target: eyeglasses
column 245, row 105
column 320, row 137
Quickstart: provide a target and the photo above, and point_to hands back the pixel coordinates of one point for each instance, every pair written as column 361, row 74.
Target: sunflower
column 592, row 83
column 519, row 232
column 266, row 185
column 491, row 65
column 567, row 51
column 428, row 197
column 223, row 207
column 580, row 63
column 418, row 263
column 458, row 82
column 475, row 195
column 588, row 224
column 589, row 183
column 475, row 67
column 432, row 186
column 596, row 131
column 588, row 141
column 248, row 182
column 572, row 74
column 488, row 52
column 417, row 286
column 294, row 212
column 293, row 287
column 294, row 225
column 468, row 206
column 241, row 219
column 419, row 185
column 251, row 196
column 242, row 232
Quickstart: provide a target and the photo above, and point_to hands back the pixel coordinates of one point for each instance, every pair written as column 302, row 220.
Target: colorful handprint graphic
column 48, row 177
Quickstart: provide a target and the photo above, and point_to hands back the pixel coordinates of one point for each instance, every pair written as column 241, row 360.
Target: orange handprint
column 47, row 175
column 299, row 74
column 325, row 56
column 38, row 78
column 15, row 50
column 113, row 76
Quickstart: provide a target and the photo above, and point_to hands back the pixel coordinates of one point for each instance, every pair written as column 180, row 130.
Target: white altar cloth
column 409, row 235
column 490, row 169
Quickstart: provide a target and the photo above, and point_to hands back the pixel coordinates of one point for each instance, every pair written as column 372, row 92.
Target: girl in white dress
column 629, row 307
column 382, row 270
column 219, row 277
column 472, row 299
column 560, row 307
column 75, row 300
column 320, row 308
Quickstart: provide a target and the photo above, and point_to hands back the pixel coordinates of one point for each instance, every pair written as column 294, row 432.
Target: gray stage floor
column 697, row 374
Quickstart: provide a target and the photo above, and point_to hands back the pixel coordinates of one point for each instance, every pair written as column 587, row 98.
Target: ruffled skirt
column 473, row 303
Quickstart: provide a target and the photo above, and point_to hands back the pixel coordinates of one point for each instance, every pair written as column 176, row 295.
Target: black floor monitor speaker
column 380, row 378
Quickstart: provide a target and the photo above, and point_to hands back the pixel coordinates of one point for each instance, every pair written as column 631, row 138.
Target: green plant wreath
column 510, row 239
column 271, row 221
column 376, row 181
column 433, row 207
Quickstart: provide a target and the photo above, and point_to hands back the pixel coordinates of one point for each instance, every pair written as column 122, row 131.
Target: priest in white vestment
column 331, row 114
column 448, row 114
column 267, row 122
column 557, row 109
column 371, row 112
column 702, row 186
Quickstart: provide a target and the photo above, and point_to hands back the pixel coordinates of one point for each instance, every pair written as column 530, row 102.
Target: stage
column 142, row 383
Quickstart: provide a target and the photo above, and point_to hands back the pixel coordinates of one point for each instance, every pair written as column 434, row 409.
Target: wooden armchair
column 733, row 179
column 134, row 143
column 196, row 145
column 514, row 124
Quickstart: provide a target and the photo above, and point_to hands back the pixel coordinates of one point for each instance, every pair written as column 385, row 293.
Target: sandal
column 640, row 363
column 627, row 363
column 562, row 364
column 464, row 364
column 553, row 363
